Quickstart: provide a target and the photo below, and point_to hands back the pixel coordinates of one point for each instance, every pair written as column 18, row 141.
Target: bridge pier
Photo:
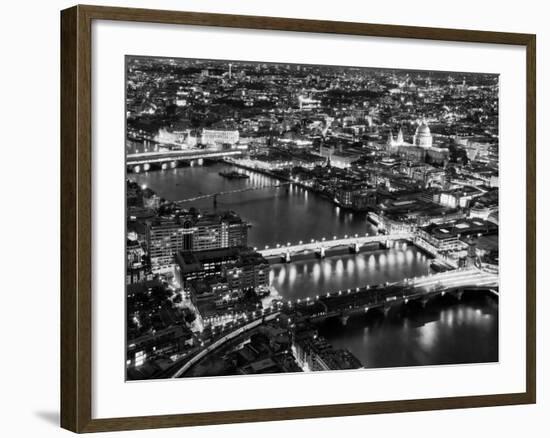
column 321, row 252
column 286, row 257
column 146, row 167
column 164, row 166
column 173, row 164
column 354, row 248
column 137, row 169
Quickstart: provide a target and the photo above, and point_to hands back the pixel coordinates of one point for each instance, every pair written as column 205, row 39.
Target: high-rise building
column 219, row 231
column 166, row 236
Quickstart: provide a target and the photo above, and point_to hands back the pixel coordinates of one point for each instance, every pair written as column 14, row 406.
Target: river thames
column 441, row 333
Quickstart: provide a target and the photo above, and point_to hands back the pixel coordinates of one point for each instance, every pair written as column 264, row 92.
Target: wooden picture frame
column 76, row 217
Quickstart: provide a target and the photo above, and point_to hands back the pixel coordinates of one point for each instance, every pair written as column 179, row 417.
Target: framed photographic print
column 270, row 218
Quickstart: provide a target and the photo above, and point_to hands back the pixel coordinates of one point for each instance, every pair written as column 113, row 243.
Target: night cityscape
column 296, row 218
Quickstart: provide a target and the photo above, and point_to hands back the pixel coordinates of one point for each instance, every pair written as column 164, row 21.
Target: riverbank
column 282, row 178
column 275, row 214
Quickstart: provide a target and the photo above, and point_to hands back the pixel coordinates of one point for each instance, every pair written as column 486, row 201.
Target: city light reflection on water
column 441, row 333
column 445, row 332
column 276, row 214
column 427, row 336
column 308, row 277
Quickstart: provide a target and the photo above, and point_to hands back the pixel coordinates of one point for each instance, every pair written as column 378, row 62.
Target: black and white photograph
column 289, row 218
column 270, row 219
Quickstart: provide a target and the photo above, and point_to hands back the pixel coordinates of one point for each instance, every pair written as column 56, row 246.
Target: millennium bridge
column 215, row 195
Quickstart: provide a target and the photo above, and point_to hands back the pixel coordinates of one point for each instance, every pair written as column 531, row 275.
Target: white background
column 30, row 180
column 112, row 397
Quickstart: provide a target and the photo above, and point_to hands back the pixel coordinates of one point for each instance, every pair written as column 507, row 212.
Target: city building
column 451, row 236
column 212, row 231
column 243, row 268
column 314, row 353
column 136, row 268
column 164, row 342
column 337, row 157
column 428, row 175
column 166, row 236
column 423, row 136
column 460, row 198
column 150, row 199
column 251, row 270
column 214, row 279
column 421, row 149
column 356, row 198
column 211, row 137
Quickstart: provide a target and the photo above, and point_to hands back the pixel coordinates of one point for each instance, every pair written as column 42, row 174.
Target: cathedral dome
column 423, row 129
column 423, row 136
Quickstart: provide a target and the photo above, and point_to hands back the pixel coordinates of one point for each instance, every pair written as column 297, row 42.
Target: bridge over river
column 144, row 160
column 229, row 192
column 343, row 304
column 354, row 243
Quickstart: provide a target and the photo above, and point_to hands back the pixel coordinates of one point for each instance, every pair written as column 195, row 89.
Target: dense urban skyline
column 289, row 218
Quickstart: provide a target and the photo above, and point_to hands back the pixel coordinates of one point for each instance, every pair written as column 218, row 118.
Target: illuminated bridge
column 354, row 243
column 348, row 302
column 343, row 304
column 320, row 246
column 361, row 299
column 143, row 161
